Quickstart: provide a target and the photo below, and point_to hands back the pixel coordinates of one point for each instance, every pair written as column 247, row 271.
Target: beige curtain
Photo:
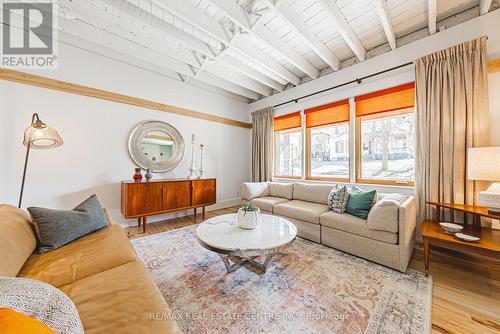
column 452, row 115
column 262, row 144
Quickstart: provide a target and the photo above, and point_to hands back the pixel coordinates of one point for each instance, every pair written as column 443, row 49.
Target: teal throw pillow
column 360, row 202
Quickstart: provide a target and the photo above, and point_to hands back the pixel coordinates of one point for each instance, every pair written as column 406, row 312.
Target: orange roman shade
column 390, row 99
column 286, row 122
column 331, row 113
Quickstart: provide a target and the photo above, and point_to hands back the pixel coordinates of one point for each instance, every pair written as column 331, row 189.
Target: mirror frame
column 135, row 141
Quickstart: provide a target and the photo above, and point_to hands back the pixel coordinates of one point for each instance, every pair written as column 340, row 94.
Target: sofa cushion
column 267, row 203
column 384, row 215
column 251, row 190
column 121, row 300
column 360, row 202
column 351, row 224
column 56, row 228
column 284, row 190
column 96, row 252
column 305, row 211
column 17, row 239
column 317, row 193
column 337, row 199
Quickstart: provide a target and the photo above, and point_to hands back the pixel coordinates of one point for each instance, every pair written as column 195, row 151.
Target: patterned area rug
column 311, row 289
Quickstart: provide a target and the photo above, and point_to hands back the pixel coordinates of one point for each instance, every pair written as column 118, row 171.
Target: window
column 384, row 140
column 288, row 146
column 328, row 141
column 386, row 136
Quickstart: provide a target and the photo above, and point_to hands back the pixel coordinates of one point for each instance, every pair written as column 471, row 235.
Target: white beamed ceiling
column 251, row 48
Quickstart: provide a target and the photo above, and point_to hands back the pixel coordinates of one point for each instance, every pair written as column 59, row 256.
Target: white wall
column 94, row 157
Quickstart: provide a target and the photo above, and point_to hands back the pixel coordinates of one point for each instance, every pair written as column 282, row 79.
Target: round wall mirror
column 156, row 145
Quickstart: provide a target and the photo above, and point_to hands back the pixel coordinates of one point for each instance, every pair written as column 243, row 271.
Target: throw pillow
column 14, row 323
column 337, row 199
column 42, row 302
column 55, row 228
column 360, row 202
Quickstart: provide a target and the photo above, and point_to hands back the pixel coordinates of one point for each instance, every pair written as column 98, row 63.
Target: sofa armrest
column 407, row 226
column 251, row 190
column 108, row 216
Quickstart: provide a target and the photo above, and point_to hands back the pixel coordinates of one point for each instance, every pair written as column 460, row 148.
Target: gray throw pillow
column 55, row 228
column 337, row 199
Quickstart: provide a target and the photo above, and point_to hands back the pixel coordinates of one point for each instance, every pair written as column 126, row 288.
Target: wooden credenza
column 143, row 199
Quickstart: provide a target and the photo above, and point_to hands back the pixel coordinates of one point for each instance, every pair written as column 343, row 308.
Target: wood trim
column 494, row 66
column 63, row 86
column 358, row 178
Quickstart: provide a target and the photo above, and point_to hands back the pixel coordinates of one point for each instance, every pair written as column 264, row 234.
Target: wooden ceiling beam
column 288, row 14
column 484, row 6
column 239, row 16
column 344, row 29
column 432, row 15
column 385, row 18
column 197, row 18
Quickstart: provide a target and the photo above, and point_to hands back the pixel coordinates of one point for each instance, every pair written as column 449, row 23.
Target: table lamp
column 38, row 136
column 484, row 165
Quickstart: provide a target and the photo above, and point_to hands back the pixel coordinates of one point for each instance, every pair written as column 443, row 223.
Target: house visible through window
column 288, row 146
column 328, row 141
column 386, row 139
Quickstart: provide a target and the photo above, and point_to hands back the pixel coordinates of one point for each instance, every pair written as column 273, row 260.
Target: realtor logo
column 28, row 34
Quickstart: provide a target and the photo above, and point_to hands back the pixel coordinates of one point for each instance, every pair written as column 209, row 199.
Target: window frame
column 292, row 177
column 308, row 175
column 358, row 151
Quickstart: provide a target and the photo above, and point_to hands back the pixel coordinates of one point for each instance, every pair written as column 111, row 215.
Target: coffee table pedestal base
column 230, row 267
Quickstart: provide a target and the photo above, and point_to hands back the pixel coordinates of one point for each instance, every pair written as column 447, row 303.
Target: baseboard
column 227, row 203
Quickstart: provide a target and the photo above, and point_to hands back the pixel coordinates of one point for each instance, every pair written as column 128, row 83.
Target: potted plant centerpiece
column 248, row 216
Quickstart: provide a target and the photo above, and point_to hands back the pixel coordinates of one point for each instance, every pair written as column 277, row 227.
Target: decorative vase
column 248, row 220
column 149, row 174
column 137, row 176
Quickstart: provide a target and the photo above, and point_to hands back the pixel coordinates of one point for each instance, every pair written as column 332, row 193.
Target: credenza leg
column 426, row 255
column 203, row 213
column 194, row 214
column 144, row 223
column 139, row 221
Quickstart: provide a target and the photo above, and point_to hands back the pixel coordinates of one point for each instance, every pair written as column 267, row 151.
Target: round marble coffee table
column 223, row 236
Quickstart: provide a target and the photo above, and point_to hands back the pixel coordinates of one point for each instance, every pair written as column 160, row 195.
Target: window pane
column 289, row 153
column 388, row 146
column 330, row 151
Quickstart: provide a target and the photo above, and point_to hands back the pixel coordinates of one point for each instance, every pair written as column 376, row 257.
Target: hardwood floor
column 466, row 290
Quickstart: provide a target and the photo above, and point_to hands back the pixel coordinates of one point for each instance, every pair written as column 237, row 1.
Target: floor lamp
column 38, row 136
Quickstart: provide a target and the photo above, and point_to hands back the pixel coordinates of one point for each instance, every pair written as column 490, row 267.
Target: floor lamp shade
column 41, row 137
column 38, row 136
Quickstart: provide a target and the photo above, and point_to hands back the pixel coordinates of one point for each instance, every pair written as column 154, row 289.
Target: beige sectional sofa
column 386, row 237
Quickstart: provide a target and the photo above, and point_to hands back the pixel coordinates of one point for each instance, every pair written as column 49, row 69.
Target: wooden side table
column 434, row 235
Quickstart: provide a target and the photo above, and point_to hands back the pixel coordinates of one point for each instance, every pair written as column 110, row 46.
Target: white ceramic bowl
column 451, row 228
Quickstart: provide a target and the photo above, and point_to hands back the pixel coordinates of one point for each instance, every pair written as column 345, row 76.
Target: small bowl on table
column 451, row 228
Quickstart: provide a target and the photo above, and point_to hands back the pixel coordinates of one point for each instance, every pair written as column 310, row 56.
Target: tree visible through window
column 330, row 151
column 388, row 146
column 288, row 160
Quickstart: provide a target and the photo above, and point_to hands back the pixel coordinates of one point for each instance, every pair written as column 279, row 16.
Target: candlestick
column 201, row 161
column 192, row 168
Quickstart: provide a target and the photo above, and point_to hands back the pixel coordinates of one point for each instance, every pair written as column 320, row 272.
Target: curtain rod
column 357, row 80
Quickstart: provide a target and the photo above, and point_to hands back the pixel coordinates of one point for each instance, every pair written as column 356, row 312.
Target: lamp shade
column 484, row 164
column 41, row 137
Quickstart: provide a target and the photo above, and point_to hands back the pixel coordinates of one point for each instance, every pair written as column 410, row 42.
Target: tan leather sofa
column 386, row 237
column 111, row 289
